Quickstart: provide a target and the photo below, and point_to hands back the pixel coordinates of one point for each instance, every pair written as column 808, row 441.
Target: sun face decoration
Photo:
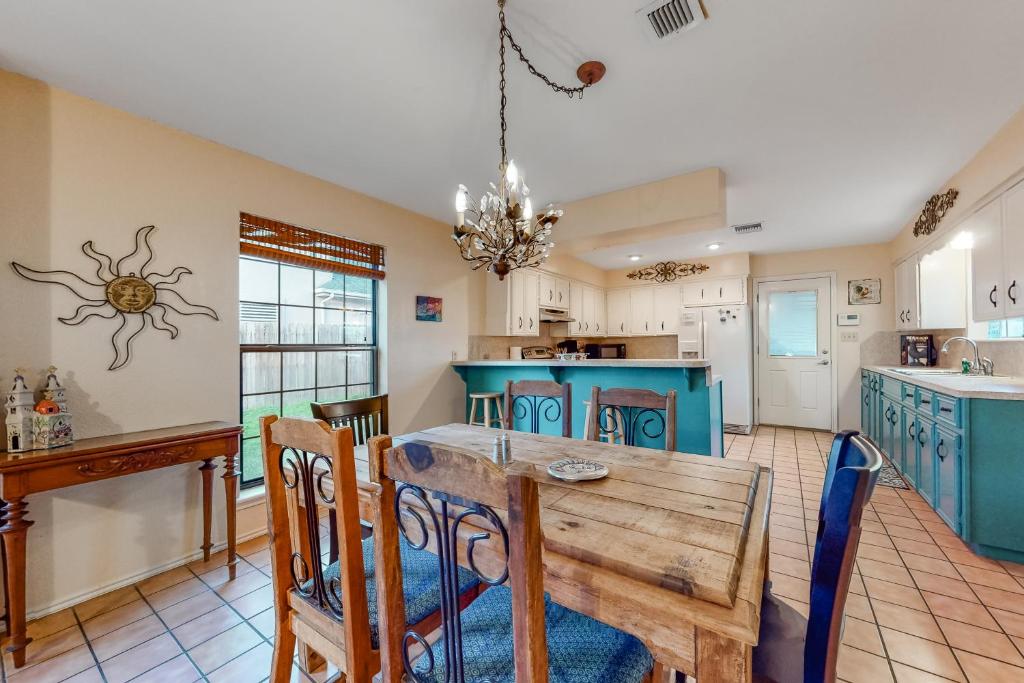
column 128, row 291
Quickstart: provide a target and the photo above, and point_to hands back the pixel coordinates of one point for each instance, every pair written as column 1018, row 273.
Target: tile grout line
column 177, row 642
column 88, row 644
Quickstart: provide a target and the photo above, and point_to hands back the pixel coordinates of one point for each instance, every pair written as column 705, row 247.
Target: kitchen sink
column 942, row 372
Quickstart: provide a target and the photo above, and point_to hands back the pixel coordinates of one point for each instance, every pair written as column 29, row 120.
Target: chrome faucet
column 980, row 365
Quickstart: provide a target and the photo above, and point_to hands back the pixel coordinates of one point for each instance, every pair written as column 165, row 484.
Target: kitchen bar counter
column 961, row 386
column 699, row 392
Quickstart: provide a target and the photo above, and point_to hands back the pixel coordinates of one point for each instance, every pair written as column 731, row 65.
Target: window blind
column 277, row 241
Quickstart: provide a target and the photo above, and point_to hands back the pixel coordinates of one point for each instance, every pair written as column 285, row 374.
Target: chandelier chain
column 501, row 83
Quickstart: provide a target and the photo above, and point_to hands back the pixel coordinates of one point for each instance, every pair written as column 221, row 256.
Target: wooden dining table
column 669, row 547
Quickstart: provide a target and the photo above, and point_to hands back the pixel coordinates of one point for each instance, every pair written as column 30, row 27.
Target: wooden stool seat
column 615, row 436
column 490, row 399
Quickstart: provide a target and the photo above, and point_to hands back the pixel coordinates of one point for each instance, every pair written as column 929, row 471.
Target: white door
column 794, row 353
column 641, row 310
column 618, row 312
column 1013, row 251
column 987, row 262
column 667, row 305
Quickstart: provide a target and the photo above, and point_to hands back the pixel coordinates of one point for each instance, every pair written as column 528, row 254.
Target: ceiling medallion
column 668, row 271
column 500, row 231
column 934, row 211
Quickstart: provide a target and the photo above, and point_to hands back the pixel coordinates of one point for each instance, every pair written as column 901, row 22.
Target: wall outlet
column 845, row 336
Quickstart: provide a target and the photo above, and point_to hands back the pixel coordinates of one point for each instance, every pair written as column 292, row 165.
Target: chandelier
column 500, row 231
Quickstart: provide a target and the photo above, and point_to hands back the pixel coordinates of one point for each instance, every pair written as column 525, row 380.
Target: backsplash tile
column 883, row 348
column 482, row 347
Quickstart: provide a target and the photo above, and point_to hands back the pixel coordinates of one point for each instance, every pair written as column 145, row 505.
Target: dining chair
column 366, row 416
column 462, row 508
column 792, row 649
column 331, row 609
column 632, row 416
column 530, row 400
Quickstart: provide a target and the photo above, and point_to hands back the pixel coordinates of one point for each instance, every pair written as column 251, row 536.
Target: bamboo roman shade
column 277, row 241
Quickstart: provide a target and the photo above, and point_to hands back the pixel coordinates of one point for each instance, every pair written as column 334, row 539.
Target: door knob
column 823, row 362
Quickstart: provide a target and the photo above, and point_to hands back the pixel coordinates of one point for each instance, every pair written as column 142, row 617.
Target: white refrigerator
column 724, row 336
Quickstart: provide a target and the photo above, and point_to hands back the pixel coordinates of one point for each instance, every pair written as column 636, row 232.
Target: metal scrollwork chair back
column 447, row 502
column 639, row 415
column 308, row 466
column 366, row 416
column 534, row 401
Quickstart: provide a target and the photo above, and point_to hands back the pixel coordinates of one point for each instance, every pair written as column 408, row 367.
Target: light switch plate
column 845, row 336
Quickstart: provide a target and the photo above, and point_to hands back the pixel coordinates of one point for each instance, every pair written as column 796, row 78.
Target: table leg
column 207, row 469
column 231, row 507
column 15, row 533
column 721, row 659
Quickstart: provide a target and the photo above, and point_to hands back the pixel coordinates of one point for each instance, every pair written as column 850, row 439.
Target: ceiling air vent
column 747, row 228
column 668, row 18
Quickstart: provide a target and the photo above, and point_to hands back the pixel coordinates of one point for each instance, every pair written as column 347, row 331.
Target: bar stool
column 616, row 436
column 487, row 398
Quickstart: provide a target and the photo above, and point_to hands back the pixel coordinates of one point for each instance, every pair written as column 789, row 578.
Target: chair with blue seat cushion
column 328, row 609
column 792, row 649
column 464, row 509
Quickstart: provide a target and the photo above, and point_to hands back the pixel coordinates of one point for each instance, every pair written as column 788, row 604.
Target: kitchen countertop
column 594, row 363
column 962, row 386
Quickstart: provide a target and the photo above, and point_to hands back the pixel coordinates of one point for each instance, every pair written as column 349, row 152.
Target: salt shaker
column 506, row 448
column 498, row 454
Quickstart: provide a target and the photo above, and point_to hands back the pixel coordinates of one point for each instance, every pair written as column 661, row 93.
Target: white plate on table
column 577, row 469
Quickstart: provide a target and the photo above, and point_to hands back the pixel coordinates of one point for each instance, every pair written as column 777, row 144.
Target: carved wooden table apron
column 669, row 547
column 100, row 458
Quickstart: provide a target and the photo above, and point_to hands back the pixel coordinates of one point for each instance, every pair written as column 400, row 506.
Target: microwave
column 598, row 351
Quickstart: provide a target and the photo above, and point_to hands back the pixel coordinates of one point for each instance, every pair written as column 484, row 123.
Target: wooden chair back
column 430, row 494
column 530, row 400
column 366, row 416
column 638, row 414
column 854, row 464
column 300, row 456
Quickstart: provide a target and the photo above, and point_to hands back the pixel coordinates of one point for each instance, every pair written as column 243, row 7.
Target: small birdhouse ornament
column 52, row 421
column 18, row 415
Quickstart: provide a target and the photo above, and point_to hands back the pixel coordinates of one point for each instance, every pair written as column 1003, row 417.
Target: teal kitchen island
column 699, row 402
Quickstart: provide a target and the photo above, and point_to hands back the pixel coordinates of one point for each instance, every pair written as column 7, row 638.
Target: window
column 793, row 324
column 306, row 333
column 1011, row 328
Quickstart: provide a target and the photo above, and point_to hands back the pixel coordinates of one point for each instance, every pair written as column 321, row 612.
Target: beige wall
column 71, row 170
column 848, row 263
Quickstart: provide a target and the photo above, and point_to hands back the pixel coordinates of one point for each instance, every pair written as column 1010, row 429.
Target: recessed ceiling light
column 714, row 246
column 634, row 257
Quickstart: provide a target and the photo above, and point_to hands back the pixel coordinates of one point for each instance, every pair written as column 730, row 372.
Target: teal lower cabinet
column 965, row 456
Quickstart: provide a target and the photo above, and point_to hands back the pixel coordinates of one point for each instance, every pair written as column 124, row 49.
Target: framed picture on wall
column 867, row 291
column 428, row 308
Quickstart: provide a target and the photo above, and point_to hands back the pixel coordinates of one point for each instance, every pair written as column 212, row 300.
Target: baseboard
column 127, row 581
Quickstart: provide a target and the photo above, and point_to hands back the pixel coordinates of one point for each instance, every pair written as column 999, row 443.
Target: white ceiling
column 832, row 120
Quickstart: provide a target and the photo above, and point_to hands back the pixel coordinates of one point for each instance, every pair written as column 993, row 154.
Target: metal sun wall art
column 668, row 271
column 934, row 211
column 128, row 291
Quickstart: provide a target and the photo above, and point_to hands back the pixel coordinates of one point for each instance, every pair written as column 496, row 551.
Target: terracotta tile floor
column 922, row 606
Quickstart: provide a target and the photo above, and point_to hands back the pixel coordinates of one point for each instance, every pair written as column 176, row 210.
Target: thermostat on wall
column 848, row 319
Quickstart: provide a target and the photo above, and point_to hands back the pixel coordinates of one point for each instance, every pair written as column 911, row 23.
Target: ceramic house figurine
column 19, row 415
column 51, row 422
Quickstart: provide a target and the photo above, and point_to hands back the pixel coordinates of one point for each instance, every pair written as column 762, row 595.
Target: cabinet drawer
column 908, row 395
column 891, row 388
column 948, row 410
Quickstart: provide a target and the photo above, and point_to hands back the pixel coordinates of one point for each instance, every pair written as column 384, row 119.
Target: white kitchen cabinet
column 1013, row 251
column 641, row 310
column 512, row 305
column 987, row 290
column 562, row 293
column 942, row 290
column 667, row 309
column 906, row 310
column 553, row 291
column 600, row 313
column 589, row 311
column 713, row 292
column 576, row 308
column 618, row 313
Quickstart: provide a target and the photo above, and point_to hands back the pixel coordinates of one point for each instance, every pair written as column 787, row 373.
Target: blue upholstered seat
column 580, row 649
column 420, row 584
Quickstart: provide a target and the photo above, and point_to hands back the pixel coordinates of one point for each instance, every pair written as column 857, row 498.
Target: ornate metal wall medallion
column 128, row 291
column 668, row 271
column 934, row 211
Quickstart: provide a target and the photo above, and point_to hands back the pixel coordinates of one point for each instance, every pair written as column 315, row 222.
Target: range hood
column 553, row 315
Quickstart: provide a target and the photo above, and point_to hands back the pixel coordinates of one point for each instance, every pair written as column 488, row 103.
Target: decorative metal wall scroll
column 934, row 211
column 128, row 291
column 630, row 422
column 444, row 527
column 668, row 271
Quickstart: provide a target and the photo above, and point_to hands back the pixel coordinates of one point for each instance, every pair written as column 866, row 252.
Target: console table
column 100, row 458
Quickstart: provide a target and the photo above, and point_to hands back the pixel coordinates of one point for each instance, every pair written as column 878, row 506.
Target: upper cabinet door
column 589, row 311
column 667, row 309
column 516, row 305
column 731, row 291
column 943, row 289
column 641, row 310
column 600, row 313
column 1013, row 251
column 561, row 293
column 576, row 308
column 531, row 307
column 988, row 292
column 907, row 315
column 693, row 293
column 547, row 292
column 618, row 313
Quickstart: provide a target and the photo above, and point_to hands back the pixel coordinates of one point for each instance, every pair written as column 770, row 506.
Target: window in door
column 793, row 324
